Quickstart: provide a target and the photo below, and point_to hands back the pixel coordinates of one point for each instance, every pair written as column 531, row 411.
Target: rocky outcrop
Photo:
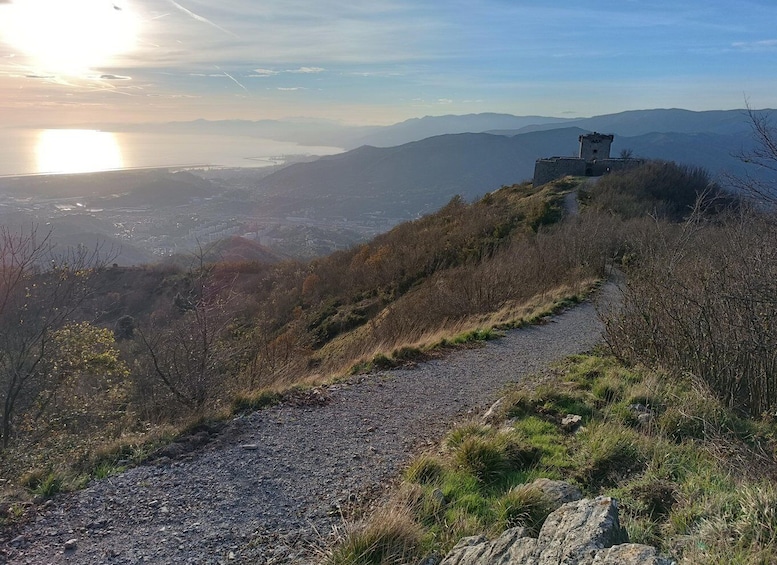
column 584, row 532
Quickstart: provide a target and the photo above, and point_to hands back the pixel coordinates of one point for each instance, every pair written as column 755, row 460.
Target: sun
column 77, row 151
column 68, row 36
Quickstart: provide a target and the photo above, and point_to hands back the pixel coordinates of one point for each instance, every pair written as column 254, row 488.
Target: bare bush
column 660, row 189
column 703, row 300
column 187, row 347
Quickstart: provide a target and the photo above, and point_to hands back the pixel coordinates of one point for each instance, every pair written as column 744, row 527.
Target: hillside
column 412, row 179
column 151, row 350
column 430, row 126
column 409, row 180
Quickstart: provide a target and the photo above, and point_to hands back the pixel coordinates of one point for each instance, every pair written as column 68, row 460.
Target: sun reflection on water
column 77, row 151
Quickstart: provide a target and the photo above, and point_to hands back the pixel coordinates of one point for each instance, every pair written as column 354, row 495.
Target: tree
column 86, row 379
column 763, row 156
column 186, row 346
column 40, row 292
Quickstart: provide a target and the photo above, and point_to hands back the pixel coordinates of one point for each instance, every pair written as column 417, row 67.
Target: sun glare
column 77, row 151
column 69, row 36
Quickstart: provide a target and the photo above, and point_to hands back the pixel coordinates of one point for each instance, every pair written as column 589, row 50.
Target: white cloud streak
column 199, row 18
column 763, row 45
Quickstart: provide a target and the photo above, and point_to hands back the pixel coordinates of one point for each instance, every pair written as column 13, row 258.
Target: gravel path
column 269, row 487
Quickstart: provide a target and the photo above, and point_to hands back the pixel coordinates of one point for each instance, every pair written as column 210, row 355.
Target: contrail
column 200, row 18
column 229, row 76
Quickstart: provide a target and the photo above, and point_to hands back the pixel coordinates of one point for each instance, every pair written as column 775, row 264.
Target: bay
column 40, row 151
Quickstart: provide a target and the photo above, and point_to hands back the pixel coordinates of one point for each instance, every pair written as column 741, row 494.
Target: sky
column 65, row 62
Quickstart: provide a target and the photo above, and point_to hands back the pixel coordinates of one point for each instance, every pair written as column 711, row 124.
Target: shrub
column 700, row 302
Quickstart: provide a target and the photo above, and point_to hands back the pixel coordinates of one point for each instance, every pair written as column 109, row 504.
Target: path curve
column 267, row 489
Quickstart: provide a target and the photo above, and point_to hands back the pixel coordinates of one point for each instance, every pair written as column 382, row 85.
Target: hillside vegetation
column 677, row 408
column 116, row 360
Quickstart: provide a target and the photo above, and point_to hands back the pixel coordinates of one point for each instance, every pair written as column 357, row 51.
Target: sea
column 63, row 151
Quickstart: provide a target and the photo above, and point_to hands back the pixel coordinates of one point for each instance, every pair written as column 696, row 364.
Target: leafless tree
column 763, row 157
column 187, row 347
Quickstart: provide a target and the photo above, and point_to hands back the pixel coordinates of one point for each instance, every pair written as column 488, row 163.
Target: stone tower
column 595, row 146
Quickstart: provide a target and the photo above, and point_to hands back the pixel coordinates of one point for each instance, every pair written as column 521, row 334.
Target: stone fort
column 593, row 161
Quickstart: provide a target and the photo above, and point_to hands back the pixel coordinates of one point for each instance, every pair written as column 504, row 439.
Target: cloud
column 444, row 101
column 38, row 76
column 297, row 36
column 290, row 88
column 763, row 45
column 306, row 70
column 115, row 77
column 264, row 73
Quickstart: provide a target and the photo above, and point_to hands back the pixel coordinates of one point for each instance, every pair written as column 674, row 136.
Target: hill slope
column 412, row 179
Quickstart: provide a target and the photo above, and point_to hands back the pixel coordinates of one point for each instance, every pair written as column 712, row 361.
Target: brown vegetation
column 200, row 341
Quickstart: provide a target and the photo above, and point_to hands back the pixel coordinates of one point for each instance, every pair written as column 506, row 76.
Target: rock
column 18, row 542
column 511, row 546
column 645, row 419
column 577, row 530
column 557, row 493
column 639, row 408
column 249, row 446
column 630, row 554
column 438, row 495
column 584, row 532
column 493, row 412
column 71, row 544
column 571, row 422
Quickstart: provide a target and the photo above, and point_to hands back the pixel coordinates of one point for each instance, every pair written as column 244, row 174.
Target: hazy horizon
column 73, row 151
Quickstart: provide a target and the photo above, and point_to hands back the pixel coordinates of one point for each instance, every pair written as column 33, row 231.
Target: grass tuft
column 252, row 401
column 523, row 506
column 390, row 537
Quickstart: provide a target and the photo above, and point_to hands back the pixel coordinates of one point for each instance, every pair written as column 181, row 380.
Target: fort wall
column 546, row 170
column 594, row 161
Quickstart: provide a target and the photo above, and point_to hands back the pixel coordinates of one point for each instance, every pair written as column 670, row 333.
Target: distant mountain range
column 418, row 177
column 322, row 132
column 641, row 122
column 391, row 173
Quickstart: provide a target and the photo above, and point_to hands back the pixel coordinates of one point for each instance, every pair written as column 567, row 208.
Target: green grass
column 701, row 494
column 257, row 400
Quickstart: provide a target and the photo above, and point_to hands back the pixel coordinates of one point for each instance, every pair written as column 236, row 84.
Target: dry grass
column 390, row 536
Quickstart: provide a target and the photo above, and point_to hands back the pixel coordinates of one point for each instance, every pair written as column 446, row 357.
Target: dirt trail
column 268, row 488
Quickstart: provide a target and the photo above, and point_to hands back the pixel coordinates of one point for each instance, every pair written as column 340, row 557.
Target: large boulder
column 584, row 532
